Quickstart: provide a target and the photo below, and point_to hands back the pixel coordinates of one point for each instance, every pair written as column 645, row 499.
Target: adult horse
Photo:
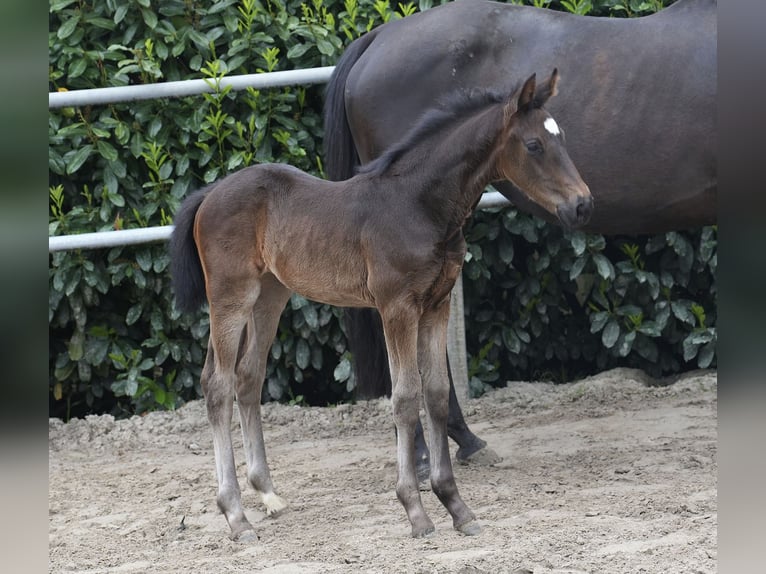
column 639, row 113
column 389, row 238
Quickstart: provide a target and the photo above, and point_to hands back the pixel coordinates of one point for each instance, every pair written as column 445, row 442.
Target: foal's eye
column 534, row 147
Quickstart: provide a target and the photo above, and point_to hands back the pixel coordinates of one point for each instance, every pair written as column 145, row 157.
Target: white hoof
column 273, row 503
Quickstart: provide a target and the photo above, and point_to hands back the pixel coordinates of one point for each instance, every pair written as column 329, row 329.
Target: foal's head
column 535, row 159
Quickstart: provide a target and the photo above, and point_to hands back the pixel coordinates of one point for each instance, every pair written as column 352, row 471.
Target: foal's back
column 311, row 234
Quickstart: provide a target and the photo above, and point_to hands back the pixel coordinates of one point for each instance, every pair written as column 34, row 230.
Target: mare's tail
column 363, row 326
column 185, row 266
column 340, row 156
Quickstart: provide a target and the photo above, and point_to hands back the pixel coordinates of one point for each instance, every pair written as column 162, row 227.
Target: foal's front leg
column 432, row 340
column 400, row 326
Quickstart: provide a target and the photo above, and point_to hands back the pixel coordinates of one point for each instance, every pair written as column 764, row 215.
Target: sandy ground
column 611, row 474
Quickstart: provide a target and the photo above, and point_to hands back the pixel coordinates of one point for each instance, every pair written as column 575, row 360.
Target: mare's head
column 535, row 159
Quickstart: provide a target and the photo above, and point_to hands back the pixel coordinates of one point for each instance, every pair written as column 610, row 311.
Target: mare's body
column 639, row 114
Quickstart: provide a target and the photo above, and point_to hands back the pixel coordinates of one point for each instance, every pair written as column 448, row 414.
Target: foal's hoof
column 274, row 504
column 471, row 528
column 482, row 457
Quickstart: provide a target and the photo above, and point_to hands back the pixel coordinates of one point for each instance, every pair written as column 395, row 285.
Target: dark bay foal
column 389, row 238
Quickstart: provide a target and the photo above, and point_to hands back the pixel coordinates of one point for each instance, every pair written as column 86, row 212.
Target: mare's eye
column 534, row 147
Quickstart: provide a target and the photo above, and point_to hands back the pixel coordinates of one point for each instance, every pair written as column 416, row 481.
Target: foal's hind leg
column 432, row 339
column 228, row 316
column 251, row 371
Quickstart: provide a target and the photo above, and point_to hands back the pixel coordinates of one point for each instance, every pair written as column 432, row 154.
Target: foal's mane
column 453, row 108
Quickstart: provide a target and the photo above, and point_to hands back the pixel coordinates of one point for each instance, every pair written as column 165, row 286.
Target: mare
column 389, row 238
column 639, row 113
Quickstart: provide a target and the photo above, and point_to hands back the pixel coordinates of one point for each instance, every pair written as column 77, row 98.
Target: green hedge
column 116, row 342
column 545, row 303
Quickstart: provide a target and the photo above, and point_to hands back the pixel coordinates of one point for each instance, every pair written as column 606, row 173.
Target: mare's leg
column 251, row 371
column 400, row 325
column 469, row 444
column 422, row 456
column 229, row 314
column 432, row 341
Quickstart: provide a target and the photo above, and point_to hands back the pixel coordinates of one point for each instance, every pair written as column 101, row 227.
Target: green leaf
column 302, row 354
column 603, row 266
column 150, row 18
column 706, row 355
column 578, row 241
column 144, row 259
column 577, row 267
column 159, row 395
column 116, row 199
column 68, row 27
column 134, row 313
column 625, row 343
column 119, row 13
column 76, row 346
column 76, row 68
column 59, row 5
column 74, row 160
column 343, row 371
column 325, row 46
column 511, row 340
column 310, row 314
column 598, row 321
column 682, row 311
column 107, row 150
column 297, row 50
column 650, row 328
column 690, row 349
column 611, row 334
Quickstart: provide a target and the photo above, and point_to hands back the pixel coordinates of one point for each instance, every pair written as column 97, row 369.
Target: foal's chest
column 452, row 252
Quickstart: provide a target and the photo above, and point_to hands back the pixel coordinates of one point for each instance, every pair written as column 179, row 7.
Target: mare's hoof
column 246, row 536
column 471, row 528
column 482, row 457
column 423, row 532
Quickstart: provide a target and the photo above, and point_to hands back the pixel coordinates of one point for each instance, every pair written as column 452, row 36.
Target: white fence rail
column 103, row 239
column 97, row 96
column 100, row 96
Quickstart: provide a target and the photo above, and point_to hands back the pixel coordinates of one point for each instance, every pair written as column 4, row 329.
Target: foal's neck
column 467, row 162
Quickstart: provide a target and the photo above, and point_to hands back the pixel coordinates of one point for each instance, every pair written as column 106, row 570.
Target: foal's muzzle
column 576, row 212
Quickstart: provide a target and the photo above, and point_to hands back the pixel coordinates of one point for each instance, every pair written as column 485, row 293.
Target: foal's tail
column 340, row 156
column 364, row 328
column 185, row 266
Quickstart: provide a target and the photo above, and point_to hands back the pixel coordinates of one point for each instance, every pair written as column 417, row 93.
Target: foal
column 390, row 238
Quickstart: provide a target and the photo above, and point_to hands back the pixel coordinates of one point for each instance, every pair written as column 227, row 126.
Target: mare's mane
column 455, row 107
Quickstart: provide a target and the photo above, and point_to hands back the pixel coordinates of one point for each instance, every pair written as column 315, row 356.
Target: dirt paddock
column 612, row 474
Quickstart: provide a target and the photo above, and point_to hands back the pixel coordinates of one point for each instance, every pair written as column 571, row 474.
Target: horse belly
column 323, row 274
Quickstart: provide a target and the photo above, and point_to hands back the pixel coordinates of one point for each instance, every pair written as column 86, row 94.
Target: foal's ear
column 521, row 100
column 527, row 94
column 548, row 89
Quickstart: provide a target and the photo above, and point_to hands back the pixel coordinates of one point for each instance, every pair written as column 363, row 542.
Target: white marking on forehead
column 551, row 125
